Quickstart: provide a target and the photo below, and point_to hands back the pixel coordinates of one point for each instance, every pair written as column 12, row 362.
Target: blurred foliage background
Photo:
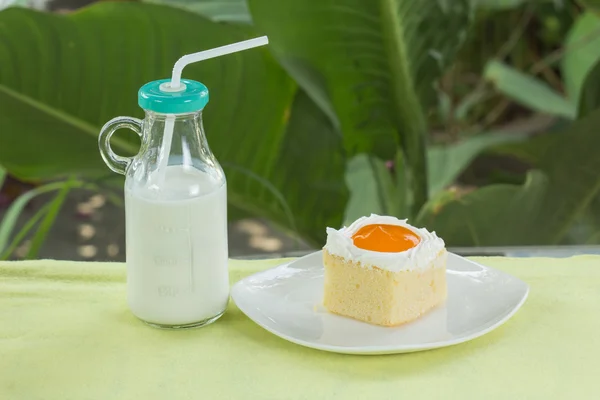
column 475, row 118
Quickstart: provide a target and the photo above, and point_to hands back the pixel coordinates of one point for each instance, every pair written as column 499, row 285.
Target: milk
column 177, row 249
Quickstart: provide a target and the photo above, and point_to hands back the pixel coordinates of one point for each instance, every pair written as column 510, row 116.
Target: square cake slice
column 383, row 271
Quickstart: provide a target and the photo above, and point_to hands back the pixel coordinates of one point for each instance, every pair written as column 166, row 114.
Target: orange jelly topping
column 385, row 238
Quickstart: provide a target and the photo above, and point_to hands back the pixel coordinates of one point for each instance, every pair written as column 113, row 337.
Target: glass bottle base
column 191, row 325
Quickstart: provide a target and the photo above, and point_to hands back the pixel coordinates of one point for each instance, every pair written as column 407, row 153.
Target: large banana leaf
column 494, row 5
column 494, row 215
column 62, row 77
column 310, row 170
column 371, row 65
column 542, row 210
column 216, row 10
column 582, row 53
column 499, row 4
column 372, row 189
column 589, row 99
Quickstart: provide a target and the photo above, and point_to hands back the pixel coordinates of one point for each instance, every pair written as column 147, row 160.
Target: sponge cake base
column 379, row 296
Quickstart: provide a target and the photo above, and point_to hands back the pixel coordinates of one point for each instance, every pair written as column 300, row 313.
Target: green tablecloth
column 66, row 333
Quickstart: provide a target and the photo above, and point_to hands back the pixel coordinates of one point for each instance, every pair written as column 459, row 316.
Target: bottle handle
column 114, row 161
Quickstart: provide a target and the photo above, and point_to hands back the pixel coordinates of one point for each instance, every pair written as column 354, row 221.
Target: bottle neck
column 174, row 160
column 189, row 124
column 188, row 141
column 180, row 117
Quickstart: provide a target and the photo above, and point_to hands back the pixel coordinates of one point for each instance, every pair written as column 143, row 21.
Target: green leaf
column 499, row 4
column 586, row 230
column 491, row 216
column 570, row 161
column 310, row 170
column 593, row 5
column 527, row 90
column 16, row 208
column 27, row 227
column 53, row 209
column 64, row 76
column 2, row 176
column 372, row 189
column 444, row 106
column 446, row 163
column 51, row 110
column 582, row 52
column 370, row 66
column 552, row 200
column 216, row 10
column 590, row 92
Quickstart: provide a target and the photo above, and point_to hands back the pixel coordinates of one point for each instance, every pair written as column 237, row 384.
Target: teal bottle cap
column 191, row 96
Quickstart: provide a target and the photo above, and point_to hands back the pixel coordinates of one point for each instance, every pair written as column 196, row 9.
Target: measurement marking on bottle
column 171, row 229
column 178, row 257
column 165, row 261
column 168, row 291
column 191, row 260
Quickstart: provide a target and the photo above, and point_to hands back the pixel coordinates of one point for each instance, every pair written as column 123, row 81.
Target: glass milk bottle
column 175, row 210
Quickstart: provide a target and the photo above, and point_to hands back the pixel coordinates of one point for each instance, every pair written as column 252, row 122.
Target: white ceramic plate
column 286, row 301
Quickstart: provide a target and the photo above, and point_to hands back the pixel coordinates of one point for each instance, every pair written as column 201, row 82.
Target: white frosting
column 340, row 243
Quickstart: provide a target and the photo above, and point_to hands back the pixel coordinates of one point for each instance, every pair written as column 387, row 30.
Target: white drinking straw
column 175, row 86
column 216, row 52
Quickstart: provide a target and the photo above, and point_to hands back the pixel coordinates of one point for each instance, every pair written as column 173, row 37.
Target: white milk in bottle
column 175, row 203
column 177, row 250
